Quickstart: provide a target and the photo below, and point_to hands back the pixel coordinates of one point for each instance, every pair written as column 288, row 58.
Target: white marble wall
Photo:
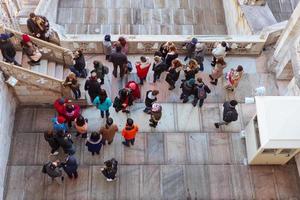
column 8, row 105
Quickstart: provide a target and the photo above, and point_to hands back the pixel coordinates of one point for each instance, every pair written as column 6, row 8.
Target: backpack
column 231, row 116
column 201, row 92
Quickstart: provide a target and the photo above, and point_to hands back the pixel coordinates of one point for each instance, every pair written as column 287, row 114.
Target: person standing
column 119, row 60
column 107, row 46
column 70, row 166
column 142, row 68
column 72, row 83
column 7, row 48
column 79, row 68
column 129, row 132
column 38, row 26
column 124, row 100
column 110, row 169
column 151, row 97
column 108, row 131
column 217, row 71
column 171, row 55
column 187, row 89
column 173, row 73
column 60, row 104
column 65, row 142
column 190, row 48
column 199, row 55
column 103, row 103
column 230, row 114
column 100, row 70
column 158, row 67
column 124, row 45
column 191, row 70
column 51, row 139
column 59, row 124
column 53, row 170
column 81, row 125
column 219, row 52
column 94, row 144
column 200, row 92
column 92, row 86
column 156, row 113
column 233, row 78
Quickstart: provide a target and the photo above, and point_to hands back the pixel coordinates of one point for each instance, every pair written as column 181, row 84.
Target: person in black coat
column 70, row 166
column 53, row 169
column 172, row 54
column 92, row 86
column 65, row 142
column 100, row 70
column 150, row 99
column 200, row 92
column 126, row 99
column 38, row 26
column 173, row 73
column 79, row 67
column 187, row 89
column 93, row 143
column 110, row 169
column 50, row 137
column 158, row 67
column 119, row 60
column 7, row 48
column 191, row 70
column 230, row 114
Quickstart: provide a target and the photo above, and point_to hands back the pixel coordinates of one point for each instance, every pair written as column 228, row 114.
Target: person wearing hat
column 79, row 67
column 59, row 124
column 108, row 131
column 187, row 89
column 129, row 132
column 142, row 68
column 107, row 46
column 190, row 48
column 230, row 114
column 71, row 112
column 159, row 66
column 135, row 89
column 59, row 105
column 7, row 48
column 38, row 26
column 156, row 113
column 92, row 86
column 200, row 92
column 65, row 142
column 199, row 54
column 119, row 60
column 31, row 50
column 101, row 70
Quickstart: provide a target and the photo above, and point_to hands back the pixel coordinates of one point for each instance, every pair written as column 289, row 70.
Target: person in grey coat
column 65, row 142
column 107, row 47
column 70, row 166
column 53, row 169
column 199, row 54
column 190, row 48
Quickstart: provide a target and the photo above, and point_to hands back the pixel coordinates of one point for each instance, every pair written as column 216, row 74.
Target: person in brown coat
column 217, row 71
column 108, row 131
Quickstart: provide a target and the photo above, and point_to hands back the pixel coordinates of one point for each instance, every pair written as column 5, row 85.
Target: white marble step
column 51, row 69
column 59, row 71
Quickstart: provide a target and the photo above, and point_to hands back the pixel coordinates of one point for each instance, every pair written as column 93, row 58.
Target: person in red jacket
column 129, row 132
column 71, row 112
column 135, row 90
column 60, row 104
column 142, row 68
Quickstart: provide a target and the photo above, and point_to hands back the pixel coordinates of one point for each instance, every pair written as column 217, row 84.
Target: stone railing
column 50, row 51
column 273, row 32
column 34, row 86
column 148, row 44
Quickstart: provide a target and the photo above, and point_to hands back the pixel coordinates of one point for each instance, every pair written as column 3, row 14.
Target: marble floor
column 143, row 17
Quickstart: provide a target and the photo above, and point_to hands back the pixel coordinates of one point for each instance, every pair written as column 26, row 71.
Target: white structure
column 273, row 134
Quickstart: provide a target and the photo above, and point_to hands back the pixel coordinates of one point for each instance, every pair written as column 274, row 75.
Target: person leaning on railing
column 38, row 26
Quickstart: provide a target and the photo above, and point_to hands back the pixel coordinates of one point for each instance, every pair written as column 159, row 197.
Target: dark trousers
column 184, row 97
column 115, row 71
column 81, row 74
column 76, row 92
column 12, row 60
column 201, row 101
column 222, row 123
column 53, row 149
column 129, row 141
column 72, row 174
column 103, row 141
column 142, row 80
column 153, row 123
column 156, row 76
column 106, row 113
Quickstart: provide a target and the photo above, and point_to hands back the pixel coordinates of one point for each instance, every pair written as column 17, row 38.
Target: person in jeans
column 110, row 169
column 103, row 103
column 51, row 139
column 200, row 92
column 190, row 48
column 129, row 132
column 108, row 131
column 229, row 113
column 70, row 166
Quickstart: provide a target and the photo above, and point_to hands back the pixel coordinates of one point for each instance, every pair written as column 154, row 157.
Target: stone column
column 288, row 39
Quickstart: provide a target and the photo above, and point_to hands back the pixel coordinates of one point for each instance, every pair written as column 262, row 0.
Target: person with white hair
column 156, row 113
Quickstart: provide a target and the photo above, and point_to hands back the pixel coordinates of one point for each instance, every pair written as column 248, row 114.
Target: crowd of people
column 166, row 60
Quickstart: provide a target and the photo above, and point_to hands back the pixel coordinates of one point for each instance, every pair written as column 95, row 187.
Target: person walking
column 65, row 142
column 142, row 68
column 233, row 78
column 191, row 70
column 158, row 67
column 129, row 132
column 190, row 48
column 7, row 48
column 110, row 170
column 50, row 137
column 72, row 82
column 156, row 113
column 103, row 103
column 107, row 46
column 93, row 143
column 199, row 55
column 81, row 125
column 187, row 89
column 53, row 170
column 200, row 92
column 173, row 73
column 108, row 131
column 100, row 70
column 217, row 71
column 79, row 68
column 119, row 60
column 151, row 97
column 230, row 114
column 92, row 86
column 70, row 166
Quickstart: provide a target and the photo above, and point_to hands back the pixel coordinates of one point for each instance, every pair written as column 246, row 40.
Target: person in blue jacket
column 70, row 166
column 59, row 124
column 103, row 103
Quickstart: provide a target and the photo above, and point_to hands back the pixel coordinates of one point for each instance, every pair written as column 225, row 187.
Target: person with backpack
column 230, row 114
column 200, row 92
column 187, row 89
column 59, row 124
column 110, row 169
column 50, row 137
column 156, row 113
column 151, row 97
column 92, row 86
column 53, row 170
column 81, row 125
column 199, row 55
column 101, row 70
column 129, row 132
column 190, row 48
column 65, row 142
column 108, row 131
column 94, row 144
column 103, row 103
column 70, row 166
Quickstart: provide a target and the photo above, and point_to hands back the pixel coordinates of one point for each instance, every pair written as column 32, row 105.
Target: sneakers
column 152, row 125
column 109, row 179
column 217, row 125
column 55, row 153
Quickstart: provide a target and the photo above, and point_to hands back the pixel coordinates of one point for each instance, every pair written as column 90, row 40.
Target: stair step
column 43, row 67
column 51, row 69
column 59, row 72
column 24, row 62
